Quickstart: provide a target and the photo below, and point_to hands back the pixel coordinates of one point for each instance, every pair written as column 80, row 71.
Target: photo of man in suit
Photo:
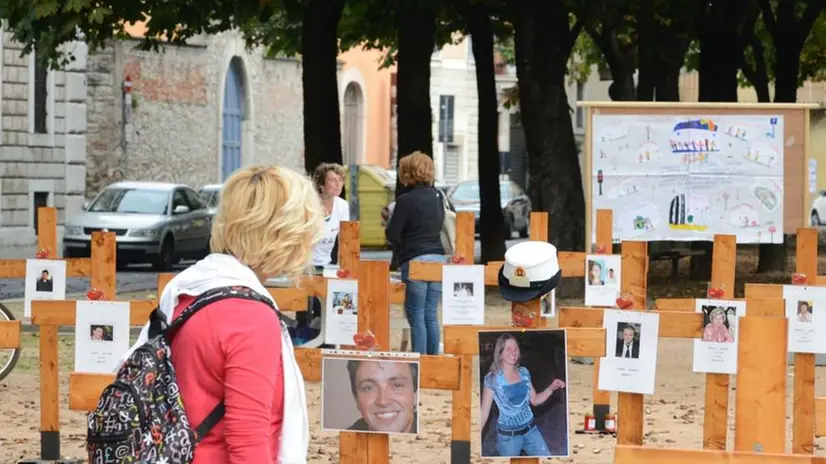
column 628, row 345
column 44, row 282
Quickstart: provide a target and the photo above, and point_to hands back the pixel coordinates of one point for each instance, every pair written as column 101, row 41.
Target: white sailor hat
column 530, row 271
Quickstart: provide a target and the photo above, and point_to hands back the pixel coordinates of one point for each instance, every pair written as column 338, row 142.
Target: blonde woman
column 268, row 220
column 509, row 385
column 414, row 231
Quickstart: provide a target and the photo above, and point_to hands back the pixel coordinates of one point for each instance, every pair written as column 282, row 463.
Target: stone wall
column 175, row 129
column 50, row 164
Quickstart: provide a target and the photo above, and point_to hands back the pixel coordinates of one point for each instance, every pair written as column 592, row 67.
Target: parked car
column 211, row 194
column 154, row 222
column 516, row 206
column 819, row 209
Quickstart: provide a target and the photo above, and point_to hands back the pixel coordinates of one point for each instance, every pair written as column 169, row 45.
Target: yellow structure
column 376, row 189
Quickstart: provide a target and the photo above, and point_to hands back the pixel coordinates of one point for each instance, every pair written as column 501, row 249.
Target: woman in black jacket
column 414, row 230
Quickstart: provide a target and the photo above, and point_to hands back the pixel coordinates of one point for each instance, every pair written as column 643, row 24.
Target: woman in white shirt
column 329, row 182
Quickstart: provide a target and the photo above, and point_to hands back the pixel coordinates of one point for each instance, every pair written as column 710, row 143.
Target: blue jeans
column 421, row 303
column 532, row 442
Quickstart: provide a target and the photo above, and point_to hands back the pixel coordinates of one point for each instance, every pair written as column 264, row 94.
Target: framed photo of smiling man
column 373, row 395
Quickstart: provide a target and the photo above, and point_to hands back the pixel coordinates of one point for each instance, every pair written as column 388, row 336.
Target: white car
column 819, row 209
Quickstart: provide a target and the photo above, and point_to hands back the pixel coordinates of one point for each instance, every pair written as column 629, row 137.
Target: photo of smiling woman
column 370, row 395
column 524, row 400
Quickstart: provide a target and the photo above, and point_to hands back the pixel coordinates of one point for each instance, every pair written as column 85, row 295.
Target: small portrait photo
column 345, row 303
column 804, row 311
column 524, row 401
column 463, row 289
column 716, row 326
column 628, row 340
column 370, row 395
column 44, row 282
column 101, row 333
column 596, row 272
column 611, row 277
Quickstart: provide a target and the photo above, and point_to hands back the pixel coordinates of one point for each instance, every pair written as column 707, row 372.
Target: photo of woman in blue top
column 509, row 385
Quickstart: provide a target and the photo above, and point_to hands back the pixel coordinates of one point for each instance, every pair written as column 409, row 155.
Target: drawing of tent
column 638, row 220
column 614, row 132
column 689, row 212
column 767, row 198
column 744, row 216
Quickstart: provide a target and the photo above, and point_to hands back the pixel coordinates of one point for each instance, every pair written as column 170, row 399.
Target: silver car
column 152, row 221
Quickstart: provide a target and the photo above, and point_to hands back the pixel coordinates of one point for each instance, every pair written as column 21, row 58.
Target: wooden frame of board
column 796, row 156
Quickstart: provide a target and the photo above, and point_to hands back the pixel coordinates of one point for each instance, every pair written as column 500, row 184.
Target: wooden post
column 532, row 310
column 103, row 276
column 461, row 413
column 605, row 242
column 803, row 421
column 634, row 285
column 715, row 423
column 760, row 416
column 373, row 315
column 47, row 231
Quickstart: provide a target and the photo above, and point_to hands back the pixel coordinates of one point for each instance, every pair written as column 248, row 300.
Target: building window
column 41, row 74
column 446, row 118
column 40, row 199
column 580, row 111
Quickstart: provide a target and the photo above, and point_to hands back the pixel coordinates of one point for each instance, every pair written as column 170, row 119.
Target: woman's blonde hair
column 320, row 173
column 269, row 218
column 416, row 168
column 496, row 365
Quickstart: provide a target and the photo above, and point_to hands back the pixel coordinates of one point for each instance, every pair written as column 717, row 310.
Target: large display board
column 675, row 177
column 685, row 171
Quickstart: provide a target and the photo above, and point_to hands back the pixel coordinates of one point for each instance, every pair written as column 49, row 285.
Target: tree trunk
column 319, row 50
column 787, row 70
column 542, row 43
column 721, row 49
column 417, row 28
column 491, row 232
column 646, row 51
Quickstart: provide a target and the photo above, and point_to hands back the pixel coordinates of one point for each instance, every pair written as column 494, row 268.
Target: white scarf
column 220, row 270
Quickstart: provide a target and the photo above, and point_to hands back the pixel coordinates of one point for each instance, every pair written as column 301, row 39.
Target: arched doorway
column 353, row 124
column 233, row 116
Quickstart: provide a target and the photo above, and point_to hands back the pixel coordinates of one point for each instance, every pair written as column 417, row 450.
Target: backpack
column 140, row 417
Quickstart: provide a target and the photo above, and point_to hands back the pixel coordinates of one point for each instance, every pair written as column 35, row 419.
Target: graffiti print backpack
column 141, row 417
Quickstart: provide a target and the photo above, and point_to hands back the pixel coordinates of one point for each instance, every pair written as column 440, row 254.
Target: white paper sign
column 805, row 308
column 688, row 177
column 463, row 295
column 549, row 304
column 631, row 340
column 342, row 312
column 45, row 280
column 716, row 351
column 602, row 279
column 330, row 271
column 101, row 335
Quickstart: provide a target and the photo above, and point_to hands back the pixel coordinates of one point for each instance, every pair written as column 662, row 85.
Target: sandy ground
column 673, row 415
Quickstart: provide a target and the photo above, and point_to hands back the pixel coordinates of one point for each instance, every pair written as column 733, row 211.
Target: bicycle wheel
column 8, row 356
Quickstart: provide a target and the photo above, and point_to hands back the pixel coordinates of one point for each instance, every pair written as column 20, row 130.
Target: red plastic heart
column 716, row 292
column 342, row 273
column 601, row 249
column 624, row 303
column 365, row 341
column 95, row 294
column 521, row 320
column 799, row 278
column 42, row 253
column 458, row 259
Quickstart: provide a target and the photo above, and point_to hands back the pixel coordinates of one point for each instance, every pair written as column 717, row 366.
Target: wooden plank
column 803, row 420
column 572, row 264
column 47, row 231
column 9, row 334
column 675, row 304
column 104, row 273
column 673, row 324
column 605, row 242
column 437, row 373
column 62, row 312
column 49, row 385
column 460, row 423
column 760, row 409
column 290, row 299
column 16, row 268
column 462, row 340
column 635, row 285
column 763, row 291
column 715, row 423
column 820, row 417
column 625, row 454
